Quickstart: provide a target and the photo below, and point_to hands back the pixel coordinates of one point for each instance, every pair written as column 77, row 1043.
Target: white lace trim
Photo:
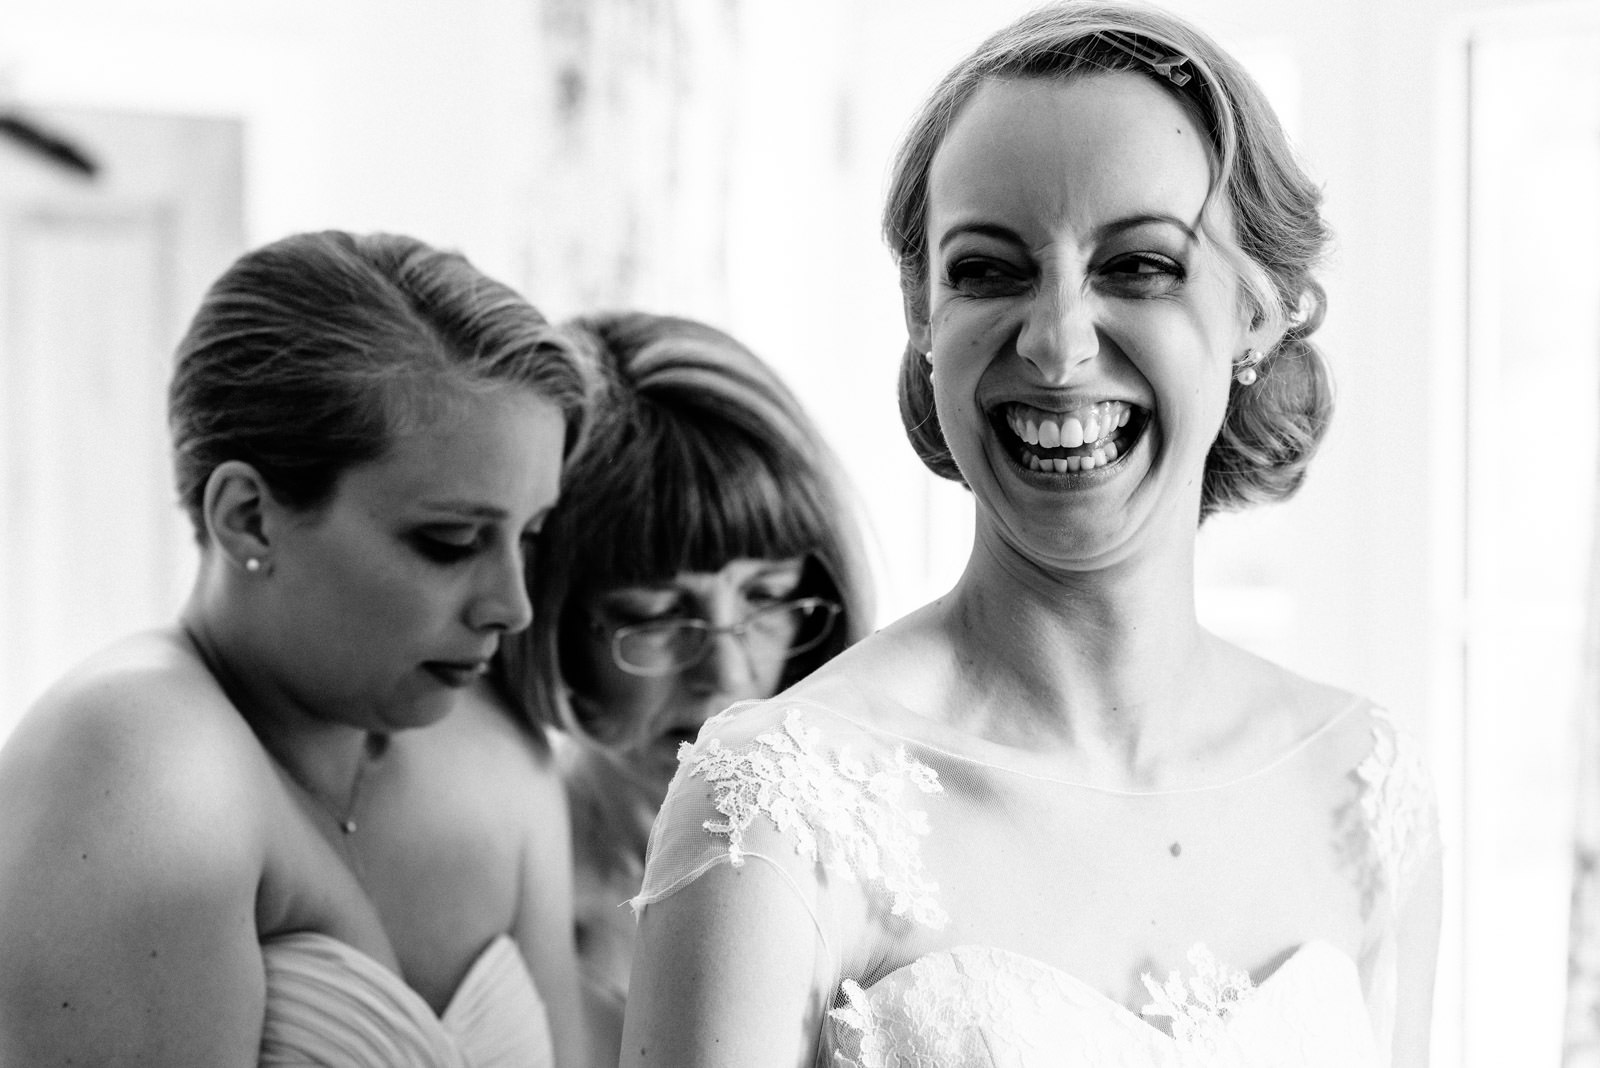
column 1396, row 800
column 1199, row 1007
column 957, row 1002
column 847, row 814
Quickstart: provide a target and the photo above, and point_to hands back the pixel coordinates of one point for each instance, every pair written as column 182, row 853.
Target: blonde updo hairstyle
column 1272, row 427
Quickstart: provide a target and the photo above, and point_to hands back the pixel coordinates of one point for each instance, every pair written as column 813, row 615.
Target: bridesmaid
column 297, row 826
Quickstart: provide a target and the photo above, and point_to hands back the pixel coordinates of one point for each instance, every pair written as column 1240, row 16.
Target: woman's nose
column 728, row 665
column 1059, row 333
column 500, row 601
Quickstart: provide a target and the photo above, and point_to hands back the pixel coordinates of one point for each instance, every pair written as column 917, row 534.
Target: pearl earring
column 252, row 564
column 1246, row 374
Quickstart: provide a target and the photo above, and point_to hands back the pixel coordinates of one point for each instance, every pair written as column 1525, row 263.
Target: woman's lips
column 457, row 674
column 1079, row 441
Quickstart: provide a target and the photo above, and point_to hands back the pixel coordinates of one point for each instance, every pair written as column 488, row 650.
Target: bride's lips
column 1069, row 445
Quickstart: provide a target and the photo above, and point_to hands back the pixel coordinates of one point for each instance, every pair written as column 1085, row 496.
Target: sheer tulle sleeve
column 835, row 810
column 1400, row 816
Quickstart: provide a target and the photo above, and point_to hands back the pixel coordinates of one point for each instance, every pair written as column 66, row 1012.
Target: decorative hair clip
column 1164, row 65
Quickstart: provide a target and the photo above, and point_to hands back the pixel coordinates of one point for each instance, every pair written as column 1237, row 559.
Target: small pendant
column 348, row 826
column 1174, row 848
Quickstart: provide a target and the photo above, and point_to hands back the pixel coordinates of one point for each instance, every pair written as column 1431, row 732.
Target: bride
column 1048, row 818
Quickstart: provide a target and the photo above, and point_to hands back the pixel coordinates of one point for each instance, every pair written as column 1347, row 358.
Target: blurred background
column 725, row 159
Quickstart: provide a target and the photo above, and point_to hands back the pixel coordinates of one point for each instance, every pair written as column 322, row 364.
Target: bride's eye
column 982, row 276
column 1143, row 274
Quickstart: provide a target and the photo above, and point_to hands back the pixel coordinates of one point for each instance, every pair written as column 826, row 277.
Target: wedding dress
column 331, row 1006
column 996, row 898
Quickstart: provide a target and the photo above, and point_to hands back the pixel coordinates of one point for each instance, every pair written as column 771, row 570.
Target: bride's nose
column 1059, row 333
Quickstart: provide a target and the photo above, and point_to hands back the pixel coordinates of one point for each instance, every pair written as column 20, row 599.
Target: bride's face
column 1082, row 324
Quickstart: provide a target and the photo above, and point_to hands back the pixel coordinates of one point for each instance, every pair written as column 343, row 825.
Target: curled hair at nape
column 1274, row 425
column 921, row 419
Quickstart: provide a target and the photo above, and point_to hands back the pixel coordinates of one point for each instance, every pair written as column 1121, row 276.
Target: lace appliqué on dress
column 1199, row 1008
column 847, row 814
column 970, row 1006
column 1396, row 801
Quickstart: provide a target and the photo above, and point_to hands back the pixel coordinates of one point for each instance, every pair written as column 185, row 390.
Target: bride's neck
column 1103, row 653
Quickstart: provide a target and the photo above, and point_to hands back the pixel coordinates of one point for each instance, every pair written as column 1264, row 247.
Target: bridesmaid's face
column 391, row 597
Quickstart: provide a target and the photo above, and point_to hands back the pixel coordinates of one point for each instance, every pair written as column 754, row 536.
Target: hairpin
column 1164, row 65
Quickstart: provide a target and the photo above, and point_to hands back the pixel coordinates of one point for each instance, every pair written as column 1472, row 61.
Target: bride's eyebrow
column 979, row 229
column 1125, row 223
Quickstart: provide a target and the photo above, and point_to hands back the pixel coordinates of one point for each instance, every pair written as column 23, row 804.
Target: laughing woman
column 1049, row 819
column 296, row 827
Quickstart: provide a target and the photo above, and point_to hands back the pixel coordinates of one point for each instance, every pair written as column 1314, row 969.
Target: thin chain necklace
column 373, row 746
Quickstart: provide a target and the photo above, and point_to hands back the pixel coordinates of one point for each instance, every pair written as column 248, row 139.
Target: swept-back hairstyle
column 1274, row 426
column 312, row 354
column 699, row 455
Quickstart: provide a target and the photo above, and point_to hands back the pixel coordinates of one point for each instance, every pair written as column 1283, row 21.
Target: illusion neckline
column 1288, row 754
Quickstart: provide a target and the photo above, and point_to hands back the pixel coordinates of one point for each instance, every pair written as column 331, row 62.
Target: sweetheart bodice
column 331, row 1006
column 985, row 1007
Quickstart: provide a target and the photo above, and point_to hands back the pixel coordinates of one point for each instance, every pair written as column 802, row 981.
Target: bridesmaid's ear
column 234, row 506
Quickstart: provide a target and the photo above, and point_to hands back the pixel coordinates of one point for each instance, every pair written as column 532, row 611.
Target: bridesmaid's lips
column 456, row 675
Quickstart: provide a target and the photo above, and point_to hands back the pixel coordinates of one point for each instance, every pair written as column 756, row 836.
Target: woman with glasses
column 702, row 554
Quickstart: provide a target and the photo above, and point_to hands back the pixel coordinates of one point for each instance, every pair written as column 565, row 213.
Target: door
column 97, row 278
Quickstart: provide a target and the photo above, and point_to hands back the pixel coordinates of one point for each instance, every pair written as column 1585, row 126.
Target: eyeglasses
column 662, row 646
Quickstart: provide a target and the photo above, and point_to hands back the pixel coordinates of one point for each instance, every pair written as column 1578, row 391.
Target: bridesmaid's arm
column 128, row 875
column 544, row 926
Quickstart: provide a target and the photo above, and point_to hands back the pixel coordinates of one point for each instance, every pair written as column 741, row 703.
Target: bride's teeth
column 1074, row 462
column 1060, row 465
column 1072, row 434
column 1094, row 426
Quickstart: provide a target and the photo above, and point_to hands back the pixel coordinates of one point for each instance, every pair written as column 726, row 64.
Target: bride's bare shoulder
column 907, row 664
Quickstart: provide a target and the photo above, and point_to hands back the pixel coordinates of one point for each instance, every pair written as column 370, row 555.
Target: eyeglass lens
column 786, row 630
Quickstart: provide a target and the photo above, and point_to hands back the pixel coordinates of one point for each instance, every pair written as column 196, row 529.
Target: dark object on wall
column 52, row 146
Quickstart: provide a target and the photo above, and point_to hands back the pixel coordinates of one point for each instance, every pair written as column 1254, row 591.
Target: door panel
column 97, row 278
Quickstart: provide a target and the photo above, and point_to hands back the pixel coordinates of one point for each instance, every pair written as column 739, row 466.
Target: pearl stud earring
column 252, row 564
column 1246, row 374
